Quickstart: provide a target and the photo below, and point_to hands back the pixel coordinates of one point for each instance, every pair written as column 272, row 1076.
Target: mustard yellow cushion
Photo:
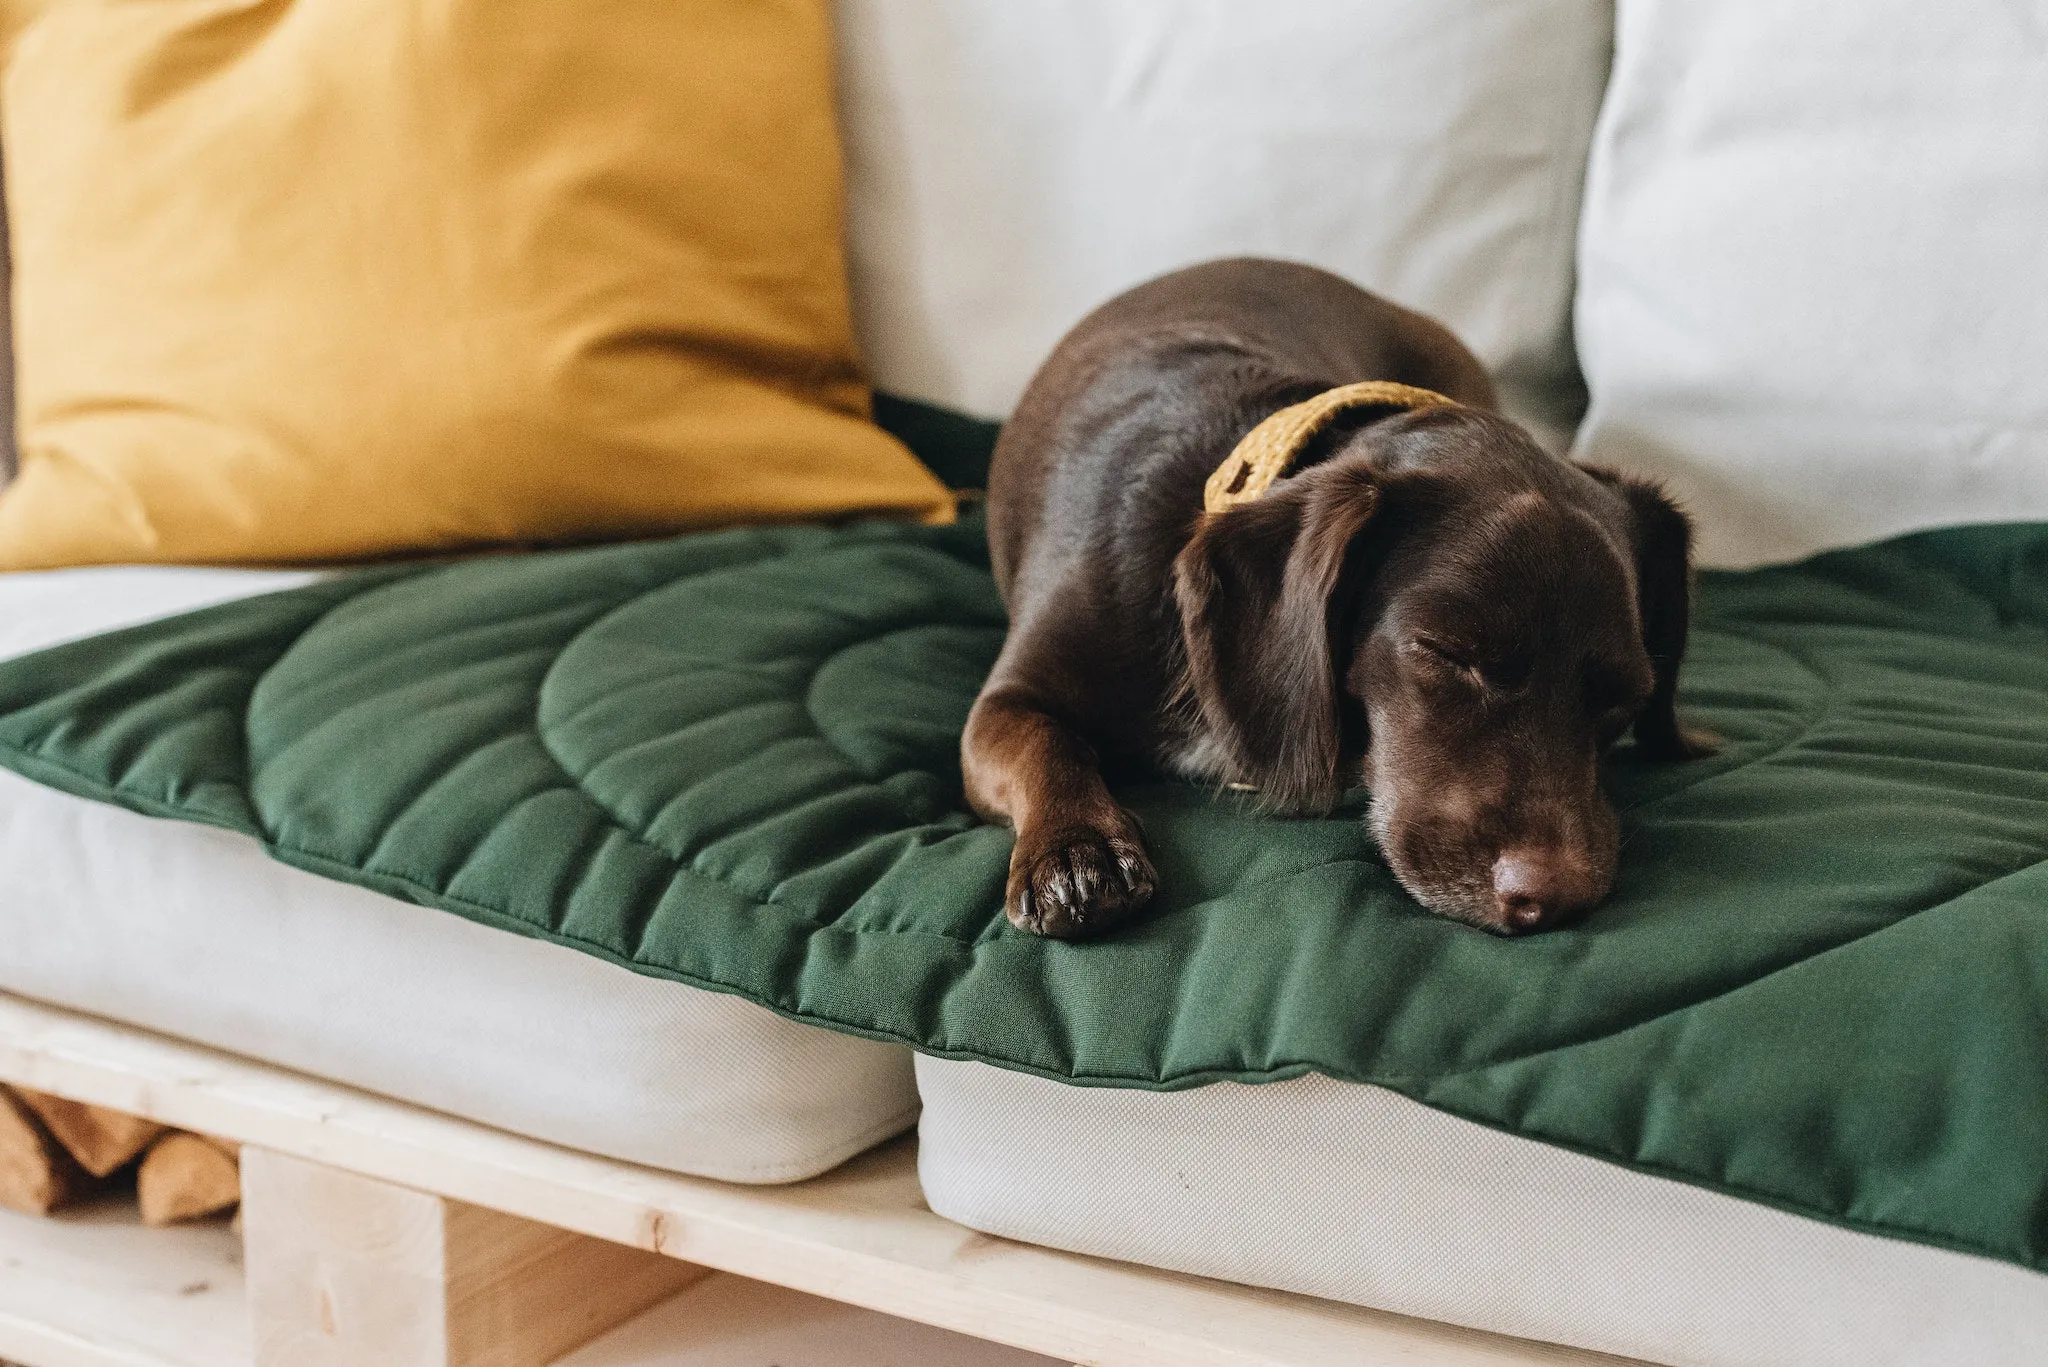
column 317, row 280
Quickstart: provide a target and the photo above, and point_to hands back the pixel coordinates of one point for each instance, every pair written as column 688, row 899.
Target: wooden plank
column 727, row 1321
column 92, row 1288
column 860, row 1235
column 345, row 1270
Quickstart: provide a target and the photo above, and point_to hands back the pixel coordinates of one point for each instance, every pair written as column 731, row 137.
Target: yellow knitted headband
column 1269, row 450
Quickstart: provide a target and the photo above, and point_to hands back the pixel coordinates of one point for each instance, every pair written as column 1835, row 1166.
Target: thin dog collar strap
column 1269, row 450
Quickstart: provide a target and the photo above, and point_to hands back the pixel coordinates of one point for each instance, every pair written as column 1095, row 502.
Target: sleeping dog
column 1226, row 557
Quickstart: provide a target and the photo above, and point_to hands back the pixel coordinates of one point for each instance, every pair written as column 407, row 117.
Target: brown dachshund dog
column 1428, row 600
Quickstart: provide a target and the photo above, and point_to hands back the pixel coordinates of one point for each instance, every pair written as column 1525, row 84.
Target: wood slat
column 92, row 1288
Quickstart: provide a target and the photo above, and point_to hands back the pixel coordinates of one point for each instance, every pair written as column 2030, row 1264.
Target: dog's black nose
column 1535, row 887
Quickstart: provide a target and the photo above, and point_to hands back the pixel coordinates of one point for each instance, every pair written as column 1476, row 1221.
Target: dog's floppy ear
column 1260, row 588
column 1663, row 548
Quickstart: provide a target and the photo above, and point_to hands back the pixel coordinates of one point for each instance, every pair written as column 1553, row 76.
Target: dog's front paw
column 1077, row 881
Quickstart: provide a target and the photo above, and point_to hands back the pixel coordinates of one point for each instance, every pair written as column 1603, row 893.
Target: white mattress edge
column 1359, row 1194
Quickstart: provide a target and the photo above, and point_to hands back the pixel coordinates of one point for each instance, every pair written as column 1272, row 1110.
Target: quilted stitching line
column 270, row 837
column 812, row 667
column 41, row 753
column 608, row 607
column 1822, row 708
column 430, row 893
column 1406, row 1080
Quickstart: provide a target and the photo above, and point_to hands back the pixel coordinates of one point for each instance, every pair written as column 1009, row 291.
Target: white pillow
column 1814, row 268
column 1012, row 165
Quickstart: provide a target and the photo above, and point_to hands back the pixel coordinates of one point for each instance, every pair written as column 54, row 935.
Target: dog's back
column 1129, row 415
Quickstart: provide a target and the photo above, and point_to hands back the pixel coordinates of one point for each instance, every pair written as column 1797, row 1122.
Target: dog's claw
column 1078, row 883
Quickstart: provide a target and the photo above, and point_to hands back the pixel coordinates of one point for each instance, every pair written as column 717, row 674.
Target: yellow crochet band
column 1269, row 450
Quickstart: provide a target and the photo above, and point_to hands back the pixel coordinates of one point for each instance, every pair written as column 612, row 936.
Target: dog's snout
column 1534, row 887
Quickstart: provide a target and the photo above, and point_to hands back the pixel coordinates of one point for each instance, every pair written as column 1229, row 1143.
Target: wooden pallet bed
column 381, row 1233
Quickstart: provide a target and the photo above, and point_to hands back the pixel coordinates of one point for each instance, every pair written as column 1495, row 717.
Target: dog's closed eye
column 1445, row 661
column 1492, row 671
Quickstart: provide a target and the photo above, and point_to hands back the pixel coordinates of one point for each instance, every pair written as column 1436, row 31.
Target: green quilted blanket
column 730, row 760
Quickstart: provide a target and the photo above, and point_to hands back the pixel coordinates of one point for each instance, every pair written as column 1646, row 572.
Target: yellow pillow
column 317, row 280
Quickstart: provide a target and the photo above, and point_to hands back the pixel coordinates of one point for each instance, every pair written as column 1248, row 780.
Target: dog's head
column 1479, row 620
